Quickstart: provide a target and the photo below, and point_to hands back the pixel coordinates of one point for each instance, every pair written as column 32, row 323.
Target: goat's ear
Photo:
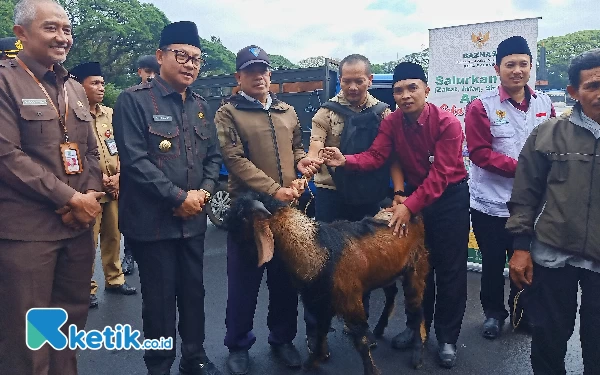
column 265, row 243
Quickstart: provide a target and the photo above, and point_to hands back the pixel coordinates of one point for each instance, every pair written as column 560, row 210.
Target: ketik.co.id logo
column 44, row 324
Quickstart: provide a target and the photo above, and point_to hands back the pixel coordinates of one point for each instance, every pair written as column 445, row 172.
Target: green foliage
column 421, row 58
column 6, row 17
column 560, row 51
column 114, row 33
column 280, row 62
column 111, row 92
column 217, row 58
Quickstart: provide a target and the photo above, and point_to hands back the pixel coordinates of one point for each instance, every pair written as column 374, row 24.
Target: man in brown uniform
column 49, row 186
column 89, row 74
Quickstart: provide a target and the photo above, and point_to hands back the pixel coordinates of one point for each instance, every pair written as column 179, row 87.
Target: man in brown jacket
column 49, row 186
column 261, row 143
column 554, row 215
column 89, row 74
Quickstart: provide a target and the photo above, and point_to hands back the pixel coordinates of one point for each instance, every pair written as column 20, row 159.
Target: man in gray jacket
column 554, row 215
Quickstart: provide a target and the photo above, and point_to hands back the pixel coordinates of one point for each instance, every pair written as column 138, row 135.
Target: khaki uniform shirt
column 327, row 127
column 103, row 130
column 33, row 181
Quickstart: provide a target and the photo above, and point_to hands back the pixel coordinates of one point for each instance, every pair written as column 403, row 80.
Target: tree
column 114, row 33
column 561, row 50
column 280, row 62
column 217, row 58
column 6, row 18
column 421, row 58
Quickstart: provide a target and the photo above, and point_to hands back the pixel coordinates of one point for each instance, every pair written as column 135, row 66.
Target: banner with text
column 462, row 58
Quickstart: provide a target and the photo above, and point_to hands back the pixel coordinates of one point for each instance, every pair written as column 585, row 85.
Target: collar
column 368, row 102
column 100, row 110
column 581, row 119
column 253, row 100
column 504, row 95
column 40, row 71
column 423, row 117
column 166, row 89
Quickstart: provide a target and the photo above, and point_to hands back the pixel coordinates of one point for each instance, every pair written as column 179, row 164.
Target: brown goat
column 335, row 264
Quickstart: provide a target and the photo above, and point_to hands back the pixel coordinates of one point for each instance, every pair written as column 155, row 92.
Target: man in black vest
column 327, row 128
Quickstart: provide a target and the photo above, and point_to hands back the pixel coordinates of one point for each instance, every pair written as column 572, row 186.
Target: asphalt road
column 507, row 355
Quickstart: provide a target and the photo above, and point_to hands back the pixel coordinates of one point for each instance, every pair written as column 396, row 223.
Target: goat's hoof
column 310, row 364
column 378, row 331
column 417, row 360
column 417, row 364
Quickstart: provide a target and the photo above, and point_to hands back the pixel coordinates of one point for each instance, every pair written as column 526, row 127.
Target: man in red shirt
column 497, row 125
column 428, row 143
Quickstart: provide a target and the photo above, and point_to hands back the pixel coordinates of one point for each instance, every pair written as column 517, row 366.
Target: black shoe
column 124, row 288
column 370, row 336
column 198, row 368
column 523, row 325
column 128, row 265
column 311, row 346
column 93, row 301
column 288, row 354
column 404, row 339
column 447, row 354
column 238, row 362
column 492, row 328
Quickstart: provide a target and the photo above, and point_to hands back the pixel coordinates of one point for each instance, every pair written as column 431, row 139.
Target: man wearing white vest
column 497, row 125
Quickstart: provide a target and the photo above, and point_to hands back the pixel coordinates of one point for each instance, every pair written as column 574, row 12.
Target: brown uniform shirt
column 33, row 182
column 327, row 127
column 103, row 130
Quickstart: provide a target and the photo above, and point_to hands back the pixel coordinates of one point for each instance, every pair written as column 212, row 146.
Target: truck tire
column 219, row 205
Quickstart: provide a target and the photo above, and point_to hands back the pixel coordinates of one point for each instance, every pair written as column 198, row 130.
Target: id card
column 112, row 146
column 71, row 159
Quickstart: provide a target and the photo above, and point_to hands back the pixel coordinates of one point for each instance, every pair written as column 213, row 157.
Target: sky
column 382, row 30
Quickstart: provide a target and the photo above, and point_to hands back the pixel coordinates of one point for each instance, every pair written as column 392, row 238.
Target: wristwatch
column 400, row 193
column 206, row 195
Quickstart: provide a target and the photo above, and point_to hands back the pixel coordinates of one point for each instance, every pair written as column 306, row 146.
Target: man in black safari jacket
column 170, row 163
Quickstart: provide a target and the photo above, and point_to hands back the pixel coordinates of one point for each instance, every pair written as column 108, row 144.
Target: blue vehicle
column 305, row 89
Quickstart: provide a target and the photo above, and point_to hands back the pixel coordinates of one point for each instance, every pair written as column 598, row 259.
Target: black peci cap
column 409, row 70
column 183, row 32
column 515, row 45
column 88, row 69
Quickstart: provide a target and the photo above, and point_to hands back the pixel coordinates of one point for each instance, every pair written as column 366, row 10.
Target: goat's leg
column 323, row 315
column 414, row 289
column 390, row 292
column 356, row 321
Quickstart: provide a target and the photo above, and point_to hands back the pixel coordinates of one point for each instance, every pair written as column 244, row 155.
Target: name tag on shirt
column 112, row 146
column 34, row 101
column 162, row 118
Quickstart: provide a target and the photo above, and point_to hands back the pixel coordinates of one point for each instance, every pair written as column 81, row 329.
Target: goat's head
column 248, row 219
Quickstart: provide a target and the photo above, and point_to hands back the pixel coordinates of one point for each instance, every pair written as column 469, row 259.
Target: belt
column 411, row 189
column 458, row 183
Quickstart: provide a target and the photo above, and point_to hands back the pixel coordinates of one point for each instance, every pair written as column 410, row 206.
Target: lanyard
column 61, row 119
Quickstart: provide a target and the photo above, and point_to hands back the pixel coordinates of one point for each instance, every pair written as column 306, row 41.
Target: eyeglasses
column 182, row 58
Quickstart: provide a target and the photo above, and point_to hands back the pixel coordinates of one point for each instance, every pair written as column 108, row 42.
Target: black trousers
column 171, row 276
column 329, row 207
column 552, row 307
column 126, row 247
column 495, row 243
column 447, row 239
